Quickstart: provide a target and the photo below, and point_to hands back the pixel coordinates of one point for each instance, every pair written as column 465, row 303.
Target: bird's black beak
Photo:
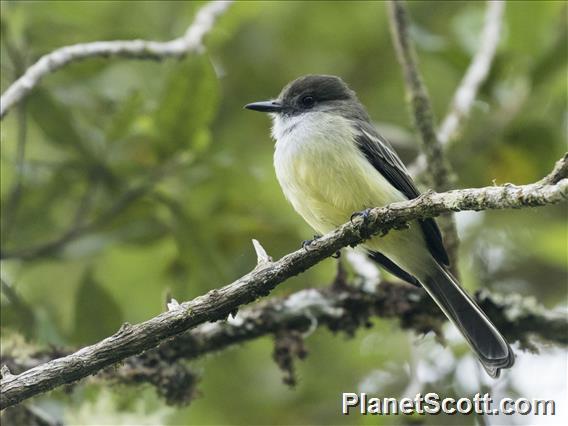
column 265, row 106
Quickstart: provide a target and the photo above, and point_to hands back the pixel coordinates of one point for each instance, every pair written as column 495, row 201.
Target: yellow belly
column 326, row 179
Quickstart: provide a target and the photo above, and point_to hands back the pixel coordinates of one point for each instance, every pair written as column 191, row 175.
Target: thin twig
column 219, row 303
column 419, row 100
column 191, row 41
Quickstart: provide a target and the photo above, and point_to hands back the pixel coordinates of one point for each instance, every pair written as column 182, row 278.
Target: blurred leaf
column 197, row 246
column 549, row 61
column 97, row 315
column 137, row 224
column 549, row 244
column 122, row 120
column 187, row 107
column 44, row 208
column 523, row 15
column 16, row 313
column 467, row 25
column 56, row 121
column 47, row 329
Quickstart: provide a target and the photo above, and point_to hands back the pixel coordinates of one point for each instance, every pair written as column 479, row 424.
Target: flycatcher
column 331, row 162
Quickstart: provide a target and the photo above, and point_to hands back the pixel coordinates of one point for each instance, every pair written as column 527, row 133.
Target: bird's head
column 310, row 93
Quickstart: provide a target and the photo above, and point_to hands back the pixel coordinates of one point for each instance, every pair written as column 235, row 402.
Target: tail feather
column 484, row 339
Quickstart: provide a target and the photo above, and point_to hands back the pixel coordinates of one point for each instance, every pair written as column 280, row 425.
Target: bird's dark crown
column 320, row 87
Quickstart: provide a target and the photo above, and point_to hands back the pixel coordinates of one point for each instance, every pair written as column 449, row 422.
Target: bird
column 331, row 163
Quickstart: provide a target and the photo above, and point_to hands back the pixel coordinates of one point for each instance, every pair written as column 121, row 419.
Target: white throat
column 310, row 125
column 282, row 126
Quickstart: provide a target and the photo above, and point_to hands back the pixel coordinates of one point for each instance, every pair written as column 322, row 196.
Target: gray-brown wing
column 382, row 156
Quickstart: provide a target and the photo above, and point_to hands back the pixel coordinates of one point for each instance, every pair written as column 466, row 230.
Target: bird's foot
column 337, row 254
column 306, row 243
column 365, row 214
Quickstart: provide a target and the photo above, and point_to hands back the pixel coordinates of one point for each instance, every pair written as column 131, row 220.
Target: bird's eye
column 308, row 101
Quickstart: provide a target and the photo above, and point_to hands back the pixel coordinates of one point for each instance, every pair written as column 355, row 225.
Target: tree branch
column 476, row 74
column 422, row 114
column 437, row 166
column 340, row 307
column 191, row 41
column 219, row 303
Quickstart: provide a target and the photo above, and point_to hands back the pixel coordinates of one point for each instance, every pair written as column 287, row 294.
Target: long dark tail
column 484, row 339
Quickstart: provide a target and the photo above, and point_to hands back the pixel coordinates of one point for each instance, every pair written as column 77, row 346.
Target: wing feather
column 383, row 157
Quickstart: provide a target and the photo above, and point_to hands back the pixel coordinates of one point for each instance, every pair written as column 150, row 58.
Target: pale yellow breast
column 324, row 175
column 326, row 179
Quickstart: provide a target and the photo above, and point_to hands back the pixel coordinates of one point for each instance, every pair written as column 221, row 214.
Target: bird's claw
column 363, row 213
column 337, row 254
column 306, row 243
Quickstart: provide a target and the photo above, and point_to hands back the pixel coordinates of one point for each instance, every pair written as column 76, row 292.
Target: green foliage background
column 176, row 130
